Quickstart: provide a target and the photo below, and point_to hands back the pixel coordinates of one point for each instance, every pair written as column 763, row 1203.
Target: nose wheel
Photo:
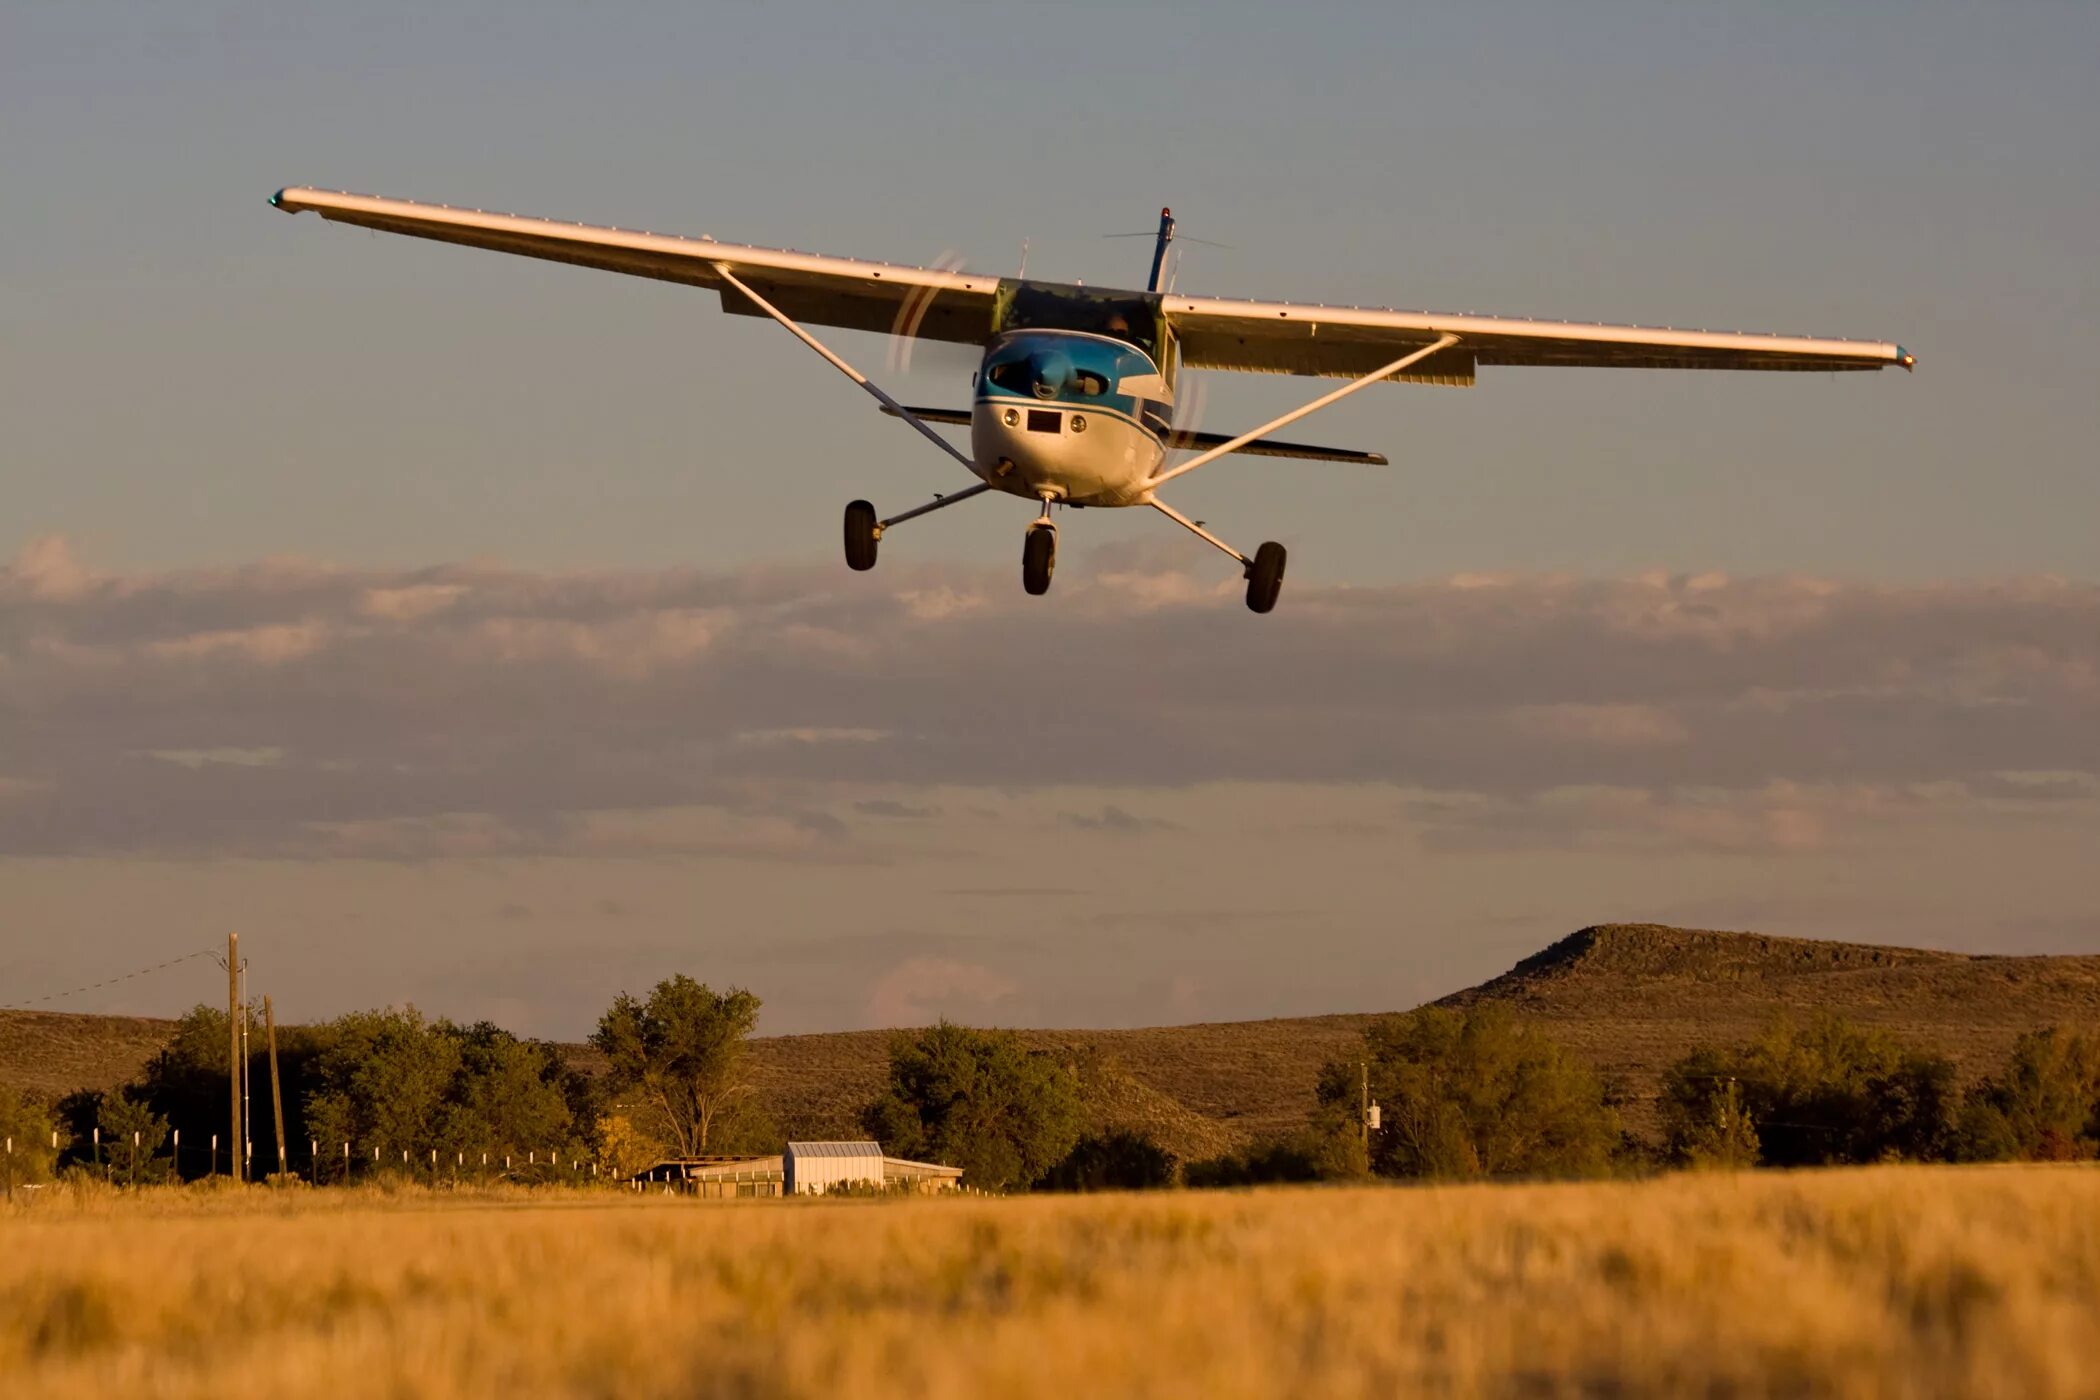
column 1038, row 556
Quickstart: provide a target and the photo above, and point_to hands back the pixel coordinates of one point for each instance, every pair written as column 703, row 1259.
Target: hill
column 1629, row 997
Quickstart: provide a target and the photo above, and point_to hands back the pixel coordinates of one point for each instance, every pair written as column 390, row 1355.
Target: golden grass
column 1890, row 1281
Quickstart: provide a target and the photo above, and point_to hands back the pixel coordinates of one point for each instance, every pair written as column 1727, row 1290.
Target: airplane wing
column 1348, row 341
column 930, row 303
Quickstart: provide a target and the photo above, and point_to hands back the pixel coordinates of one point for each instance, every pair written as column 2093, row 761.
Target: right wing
column 1348, row 341
column 866, row 296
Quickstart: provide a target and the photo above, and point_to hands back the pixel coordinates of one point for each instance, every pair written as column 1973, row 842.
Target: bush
column 1304, row 1157
column 1832, row 1092
column 1474, row 1093
column 28, row 1123
column 1121, row 1160
column 2044, row 1106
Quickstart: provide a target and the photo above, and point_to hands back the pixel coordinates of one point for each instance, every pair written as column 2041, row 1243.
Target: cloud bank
column 290, row 708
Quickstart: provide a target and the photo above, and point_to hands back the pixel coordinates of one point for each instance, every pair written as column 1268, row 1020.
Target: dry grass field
column 1899, row 1281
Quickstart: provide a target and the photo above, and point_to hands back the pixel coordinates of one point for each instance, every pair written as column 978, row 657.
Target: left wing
column 868, row 296
column 1348, row 341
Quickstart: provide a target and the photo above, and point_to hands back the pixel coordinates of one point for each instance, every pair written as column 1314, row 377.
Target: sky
column 469, row 631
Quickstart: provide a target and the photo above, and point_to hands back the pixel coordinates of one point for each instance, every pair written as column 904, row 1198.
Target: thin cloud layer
column 289, row 708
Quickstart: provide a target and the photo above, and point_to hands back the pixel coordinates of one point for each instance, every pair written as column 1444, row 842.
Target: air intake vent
column 1045, row 420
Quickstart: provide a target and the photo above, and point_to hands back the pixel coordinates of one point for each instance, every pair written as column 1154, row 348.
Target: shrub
column 28, row 1123
column 1831, row 1092
column 1121, row 1160
column 2043, row 1106
column 1303, row 1157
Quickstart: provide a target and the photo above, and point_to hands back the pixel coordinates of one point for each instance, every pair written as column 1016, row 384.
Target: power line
column 106, row 982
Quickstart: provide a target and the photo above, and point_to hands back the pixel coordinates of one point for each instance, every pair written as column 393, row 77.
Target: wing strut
column 888, row 403
column 1204, row 459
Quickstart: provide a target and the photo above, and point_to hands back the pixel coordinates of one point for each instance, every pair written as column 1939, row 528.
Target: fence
column 133, row 1162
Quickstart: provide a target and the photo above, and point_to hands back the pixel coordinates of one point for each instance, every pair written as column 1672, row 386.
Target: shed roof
column 834, row 1149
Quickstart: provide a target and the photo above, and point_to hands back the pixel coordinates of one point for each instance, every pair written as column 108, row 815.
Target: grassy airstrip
column 1887, row 1281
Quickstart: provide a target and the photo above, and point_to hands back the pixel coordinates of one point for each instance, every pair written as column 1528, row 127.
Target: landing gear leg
column 1039, row 552
column 1263, row 572
column 863, row 530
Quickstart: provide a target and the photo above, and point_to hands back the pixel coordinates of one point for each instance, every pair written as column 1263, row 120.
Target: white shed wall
column 813, row 1174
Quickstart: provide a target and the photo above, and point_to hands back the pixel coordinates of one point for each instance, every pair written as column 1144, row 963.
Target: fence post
column 214, row 1156
column 175, row 1155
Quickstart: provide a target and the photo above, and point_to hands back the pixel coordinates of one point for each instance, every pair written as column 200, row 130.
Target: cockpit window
column 1055, row 306
column 1017, row 375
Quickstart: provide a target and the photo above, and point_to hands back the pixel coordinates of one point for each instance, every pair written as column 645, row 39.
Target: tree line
column 1476, row 1093
column 1479, row 1093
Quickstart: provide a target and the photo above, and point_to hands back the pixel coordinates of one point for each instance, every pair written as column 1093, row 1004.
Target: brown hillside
column 1633, row 997
column 1629, row 997
column 49, row 1053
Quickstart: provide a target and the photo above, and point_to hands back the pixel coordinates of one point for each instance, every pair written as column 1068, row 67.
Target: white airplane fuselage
column 1070, row 416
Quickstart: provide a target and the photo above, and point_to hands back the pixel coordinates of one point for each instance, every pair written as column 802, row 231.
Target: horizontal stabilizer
column 1270, row 447
column 1199, row 442
column 934, row 415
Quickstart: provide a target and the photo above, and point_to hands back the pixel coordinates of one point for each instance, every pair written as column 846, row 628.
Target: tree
column 391, row 1080
column 186, row 1083
column 1830, row 1092
column 979, row 1100
column 1727, row 1139
column 27, row 1125
column 2044, row 1105
column 1474, row 1093
column 680, row 1055
column 132, row 1135
column 1119, row 1160
column 382, row 1079
column 509, row 1095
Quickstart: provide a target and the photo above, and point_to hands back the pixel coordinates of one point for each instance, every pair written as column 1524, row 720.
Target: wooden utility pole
column 276, row 1093
column 233, row 1049
column 1363, row 1113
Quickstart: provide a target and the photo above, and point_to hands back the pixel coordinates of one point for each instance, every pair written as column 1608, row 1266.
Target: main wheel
column 861, row 535
column 1265, row 577
column 1038, row 560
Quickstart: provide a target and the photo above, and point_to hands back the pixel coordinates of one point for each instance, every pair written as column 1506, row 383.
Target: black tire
column 1265, row 577
column 860, row 536
column 1038, row 560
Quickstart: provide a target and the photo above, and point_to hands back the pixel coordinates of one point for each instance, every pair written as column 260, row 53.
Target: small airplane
column 1074, row 397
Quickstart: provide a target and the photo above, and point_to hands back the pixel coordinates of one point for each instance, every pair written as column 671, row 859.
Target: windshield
column 1054, row 306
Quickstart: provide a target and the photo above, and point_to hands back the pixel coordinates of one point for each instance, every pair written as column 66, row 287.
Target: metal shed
column 812, row 1168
